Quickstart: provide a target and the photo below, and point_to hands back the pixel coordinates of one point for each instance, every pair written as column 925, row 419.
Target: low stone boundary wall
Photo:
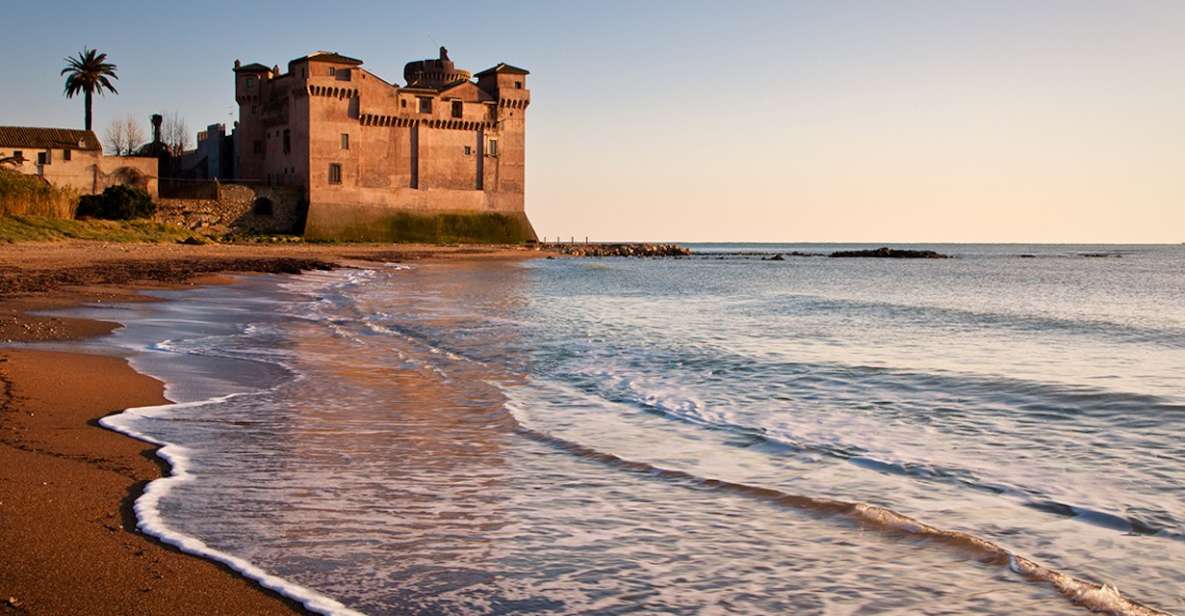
column 234, row 208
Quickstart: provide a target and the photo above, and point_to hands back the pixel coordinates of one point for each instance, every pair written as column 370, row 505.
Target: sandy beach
column 66, row 484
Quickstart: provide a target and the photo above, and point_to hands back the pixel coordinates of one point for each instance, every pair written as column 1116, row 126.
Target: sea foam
column 150, row 521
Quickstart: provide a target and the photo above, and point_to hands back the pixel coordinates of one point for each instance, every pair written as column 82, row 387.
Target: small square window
column 458, row 109
column 333, row 70
column 425, row 105
column 18, row 154
column 335, row 173
column 468, row 150
column 345, row 141
column 66, row 154
column 518, row 85
column 43, row 158
column 250, row 83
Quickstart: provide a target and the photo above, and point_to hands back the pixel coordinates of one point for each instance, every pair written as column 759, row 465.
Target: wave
column 1028, row 396
column 150, row 521
column 1096, row 597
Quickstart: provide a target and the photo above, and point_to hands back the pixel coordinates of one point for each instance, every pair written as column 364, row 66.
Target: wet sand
column 67, row 530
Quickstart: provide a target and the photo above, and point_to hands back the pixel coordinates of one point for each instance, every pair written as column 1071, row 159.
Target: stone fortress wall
column 218, row 207
column 385, row 163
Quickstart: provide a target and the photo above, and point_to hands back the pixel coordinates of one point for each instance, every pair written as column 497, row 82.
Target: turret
column 505, row 78
column 433, row 73
column 248, row 81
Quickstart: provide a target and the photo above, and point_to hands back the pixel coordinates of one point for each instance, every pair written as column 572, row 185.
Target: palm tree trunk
column 88, row 109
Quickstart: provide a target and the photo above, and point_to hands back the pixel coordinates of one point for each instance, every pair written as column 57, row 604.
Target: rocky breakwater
column 891, row 253
column 618, row 250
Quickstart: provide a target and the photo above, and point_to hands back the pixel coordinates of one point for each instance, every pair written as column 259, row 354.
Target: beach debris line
column 885, row 252
column 617, row 250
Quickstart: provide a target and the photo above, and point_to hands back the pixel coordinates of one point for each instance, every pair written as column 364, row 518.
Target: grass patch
column 29, row 195
column 45, row 229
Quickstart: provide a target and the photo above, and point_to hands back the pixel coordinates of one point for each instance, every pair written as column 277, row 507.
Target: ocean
column 1000, row 432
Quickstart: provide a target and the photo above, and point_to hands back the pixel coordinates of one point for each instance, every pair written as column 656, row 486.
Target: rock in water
column 890, row 253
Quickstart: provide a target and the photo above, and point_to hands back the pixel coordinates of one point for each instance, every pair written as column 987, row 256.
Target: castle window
column 345, row 141
column 19, row 155
column 250, row 83
column 458, row 108
column 468, row 150
column 43, row 158
column 332, row 71
column 425, row 105
column 493, row 149
column 335, row 173
column 403, row 103
column 287, row 141
column 518, row 85
column 257, row 146
column 66, row 154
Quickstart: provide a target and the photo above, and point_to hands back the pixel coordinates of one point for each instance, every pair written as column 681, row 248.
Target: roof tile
column 34, row 138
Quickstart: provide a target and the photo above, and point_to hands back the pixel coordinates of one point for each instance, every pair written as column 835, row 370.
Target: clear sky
column 998, row 120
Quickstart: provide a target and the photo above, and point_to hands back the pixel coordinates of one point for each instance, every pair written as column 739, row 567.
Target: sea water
column 1000, row 432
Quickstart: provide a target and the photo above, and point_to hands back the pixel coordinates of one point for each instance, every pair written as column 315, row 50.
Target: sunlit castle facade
column 375, row 158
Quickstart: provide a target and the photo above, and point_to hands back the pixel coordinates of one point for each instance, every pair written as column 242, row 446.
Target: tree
column 89, row 73
column 175, row 134
column 124, row 136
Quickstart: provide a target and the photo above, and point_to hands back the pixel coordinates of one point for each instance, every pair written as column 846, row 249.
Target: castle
column 440, row 158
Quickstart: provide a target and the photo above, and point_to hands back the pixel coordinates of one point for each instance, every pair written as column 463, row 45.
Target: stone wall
column 362, row 223
column 237, row 208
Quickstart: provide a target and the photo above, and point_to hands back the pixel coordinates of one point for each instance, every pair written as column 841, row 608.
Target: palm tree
column 89, row 73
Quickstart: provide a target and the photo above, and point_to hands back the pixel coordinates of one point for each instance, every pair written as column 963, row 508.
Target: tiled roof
column 254, row 67
column 503, row 67
column 44, row 138
column 330, row 56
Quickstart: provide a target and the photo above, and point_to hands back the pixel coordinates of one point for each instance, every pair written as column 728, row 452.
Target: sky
column 903, row 121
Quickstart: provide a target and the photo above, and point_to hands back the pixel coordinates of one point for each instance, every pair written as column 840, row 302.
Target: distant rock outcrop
column 890, row 253
column 619, row 250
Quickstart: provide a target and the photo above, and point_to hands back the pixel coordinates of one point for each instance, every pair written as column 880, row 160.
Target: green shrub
column 117, row 203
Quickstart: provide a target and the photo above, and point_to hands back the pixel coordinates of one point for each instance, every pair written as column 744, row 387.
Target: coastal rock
column 618, row 250
column 890, row 253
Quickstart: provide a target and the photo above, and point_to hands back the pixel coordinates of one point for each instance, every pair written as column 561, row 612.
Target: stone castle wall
column 385, row 163
column 215, row 207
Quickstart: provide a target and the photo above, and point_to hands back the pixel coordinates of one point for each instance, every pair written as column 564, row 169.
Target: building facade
column 69, row 158
column 383, row 162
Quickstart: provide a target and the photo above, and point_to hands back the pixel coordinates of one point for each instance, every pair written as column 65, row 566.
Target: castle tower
column 250, row 86
column 508, row 86
column 433, row 73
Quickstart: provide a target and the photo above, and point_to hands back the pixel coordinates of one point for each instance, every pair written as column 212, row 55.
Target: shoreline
column 68, row 485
